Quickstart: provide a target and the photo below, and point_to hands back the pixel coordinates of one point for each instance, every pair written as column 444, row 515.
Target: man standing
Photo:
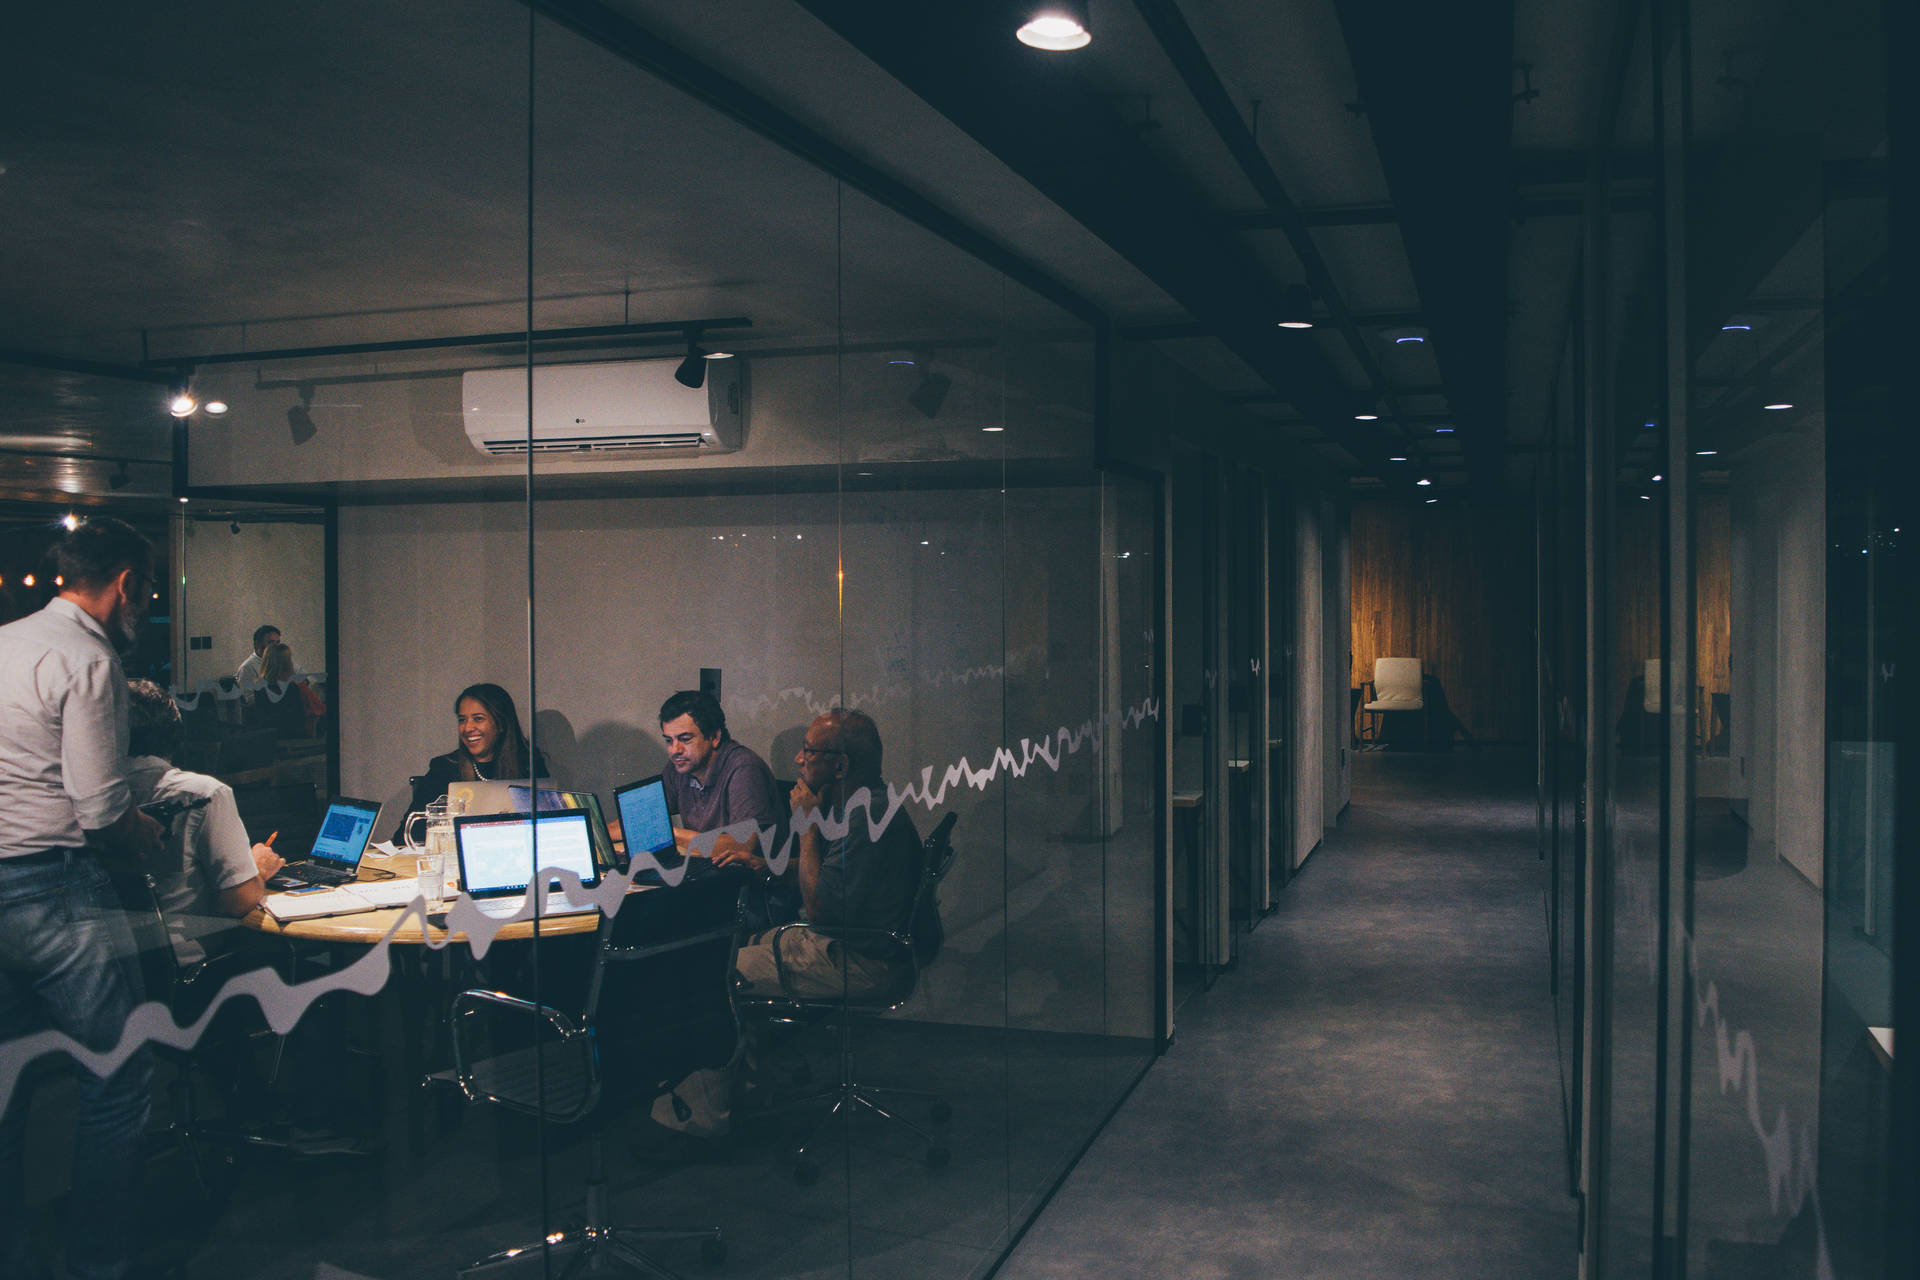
column 714, row 782
column 263, row 635
column 66, row 954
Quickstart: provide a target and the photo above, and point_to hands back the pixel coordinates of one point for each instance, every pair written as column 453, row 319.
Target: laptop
column 520, row 800
column 648, row 828
column 335, row 857
column 497, row 859
column 477, row 796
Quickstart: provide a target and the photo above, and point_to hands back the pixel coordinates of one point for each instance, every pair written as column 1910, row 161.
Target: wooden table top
column 369, row 927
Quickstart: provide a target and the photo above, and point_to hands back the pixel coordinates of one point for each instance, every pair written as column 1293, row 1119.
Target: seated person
column 492, row 748
column 855, row 880
column 715, row 783
column 276, row 703
column 249, row 670
column 207, row 874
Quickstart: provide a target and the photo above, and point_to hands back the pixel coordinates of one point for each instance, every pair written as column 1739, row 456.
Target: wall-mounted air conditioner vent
column 619, row 406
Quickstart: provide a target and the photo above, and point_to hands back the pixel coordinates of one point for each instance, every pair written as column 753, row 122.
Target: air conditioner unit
column 615, row 406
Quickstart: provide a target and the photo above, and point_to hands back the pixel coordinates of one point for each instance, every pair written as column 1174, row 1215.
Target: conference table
column 417, row 1018
column 369, row 927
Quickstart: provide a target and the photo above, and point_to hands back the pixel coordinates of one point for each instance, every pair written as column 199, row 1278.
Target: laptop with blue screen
column 498, row 852
column 342, row 841
column 647, row 828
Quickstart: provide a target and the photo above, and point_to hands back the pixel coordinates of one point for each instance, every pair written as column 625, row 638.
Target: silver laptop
column 498, row 852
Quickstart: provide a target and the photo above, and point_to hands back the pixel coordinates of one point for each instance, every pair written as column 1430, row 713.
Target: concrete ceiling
column 223, row 175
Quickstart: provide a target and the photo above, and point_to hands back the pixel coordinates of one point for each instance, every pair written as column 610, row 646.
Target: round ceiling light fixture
column 1054, row 26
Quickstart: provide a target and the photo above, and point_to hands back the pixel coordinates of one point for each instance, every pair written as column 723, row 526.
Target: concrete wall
column 1778, row 646
column 965, row 621
column 234, row 582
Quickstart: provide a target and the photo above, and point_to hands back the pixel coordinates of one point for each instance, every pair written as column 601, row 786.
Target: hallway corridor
column 1373, row 1091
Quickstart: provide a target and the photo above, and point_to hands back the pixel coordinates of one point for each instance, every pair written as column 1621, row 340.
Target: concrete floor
column 1373, row 1091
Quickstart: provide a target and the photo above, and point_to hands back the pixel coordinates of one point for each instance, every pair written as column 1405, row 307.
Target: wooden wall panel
column 1713, row 592
column 1453, row 586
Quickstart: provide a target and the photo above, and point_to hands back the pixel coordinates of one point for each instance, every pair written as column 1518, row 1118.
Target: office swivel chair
column 556, row 1077
column 1396, row 686
column 185, row 989
column 910, row 945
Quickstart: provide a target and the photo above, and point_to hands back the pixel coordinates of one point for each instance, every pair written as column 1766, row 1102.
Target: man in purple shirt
column 719, row 789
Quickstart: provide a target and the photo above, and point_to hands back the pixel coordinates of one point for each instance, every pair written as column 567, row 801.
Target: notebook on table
column 648, row 828
column 342, row 841
column 316, row 902
column 498, row 852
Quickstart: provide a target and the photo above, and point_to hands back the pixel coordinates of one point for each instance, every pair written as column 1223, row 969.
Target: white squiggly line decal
column 1792, row 1164
column 284, row 1003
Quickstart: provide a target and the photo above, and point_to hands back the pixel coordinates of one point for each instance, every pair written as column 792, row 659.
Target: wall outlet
column 199, row 642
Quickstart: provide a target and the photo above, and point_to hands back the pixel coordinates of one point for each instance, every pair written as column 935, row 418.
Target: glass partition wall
column 1734, row 960
column 551, row 392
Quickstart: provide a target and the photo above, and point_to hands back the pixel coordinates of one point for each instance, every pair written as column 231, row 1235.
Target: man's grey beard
column 126, row 630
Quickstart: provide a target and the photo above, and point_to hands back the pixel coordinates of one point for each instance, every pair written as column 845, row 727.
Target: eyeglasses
column 810, row 752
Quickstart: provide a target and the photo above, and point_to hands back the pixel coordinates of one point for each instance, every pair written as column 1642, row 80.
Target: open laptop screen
column 344, row 833
column 643, row 817
column 497, row 850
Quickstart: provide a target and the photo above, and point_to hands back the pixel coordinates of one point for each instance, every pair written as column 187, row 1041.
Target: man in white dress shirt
column 66, row 954
column 263, row 635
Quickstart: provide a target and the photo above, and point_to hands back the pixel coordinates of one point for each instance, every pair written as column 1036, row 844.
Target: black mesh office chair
column 186, row 990
column 910, row 946
column 552, row 1069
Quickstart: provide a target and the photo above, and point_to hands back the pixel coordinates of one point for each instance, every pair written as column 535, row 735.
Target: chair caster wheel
column 713, row 1251
column 806, row 1172
column 942, row 1111
column 937, row 1157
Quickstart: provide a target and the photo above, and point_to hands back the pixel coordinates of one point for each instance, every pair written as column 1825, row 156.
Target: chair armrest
column 468, row 1003
column 840, row 933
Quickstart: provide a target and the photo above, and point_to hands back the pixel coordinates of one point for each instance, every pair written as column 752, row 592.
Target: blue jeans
column 67, row 961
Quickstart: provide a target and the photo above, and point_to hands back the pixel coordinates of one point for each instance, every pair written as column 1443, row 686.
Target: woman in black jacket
column 492, row 748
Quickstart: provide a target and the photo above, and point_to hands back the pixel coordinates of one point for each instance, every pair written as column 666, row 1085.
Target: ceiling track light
column 1296, row 307
column 931, row 391
column 300, row 423
column 692, row 370
column 1054, row 26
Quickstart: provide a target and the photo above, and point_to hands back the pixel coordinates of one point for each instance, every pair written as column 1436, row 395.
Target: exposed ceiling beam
column 1183, row 49
column 1034, row 112
column 625, row 38
column 1437, row 83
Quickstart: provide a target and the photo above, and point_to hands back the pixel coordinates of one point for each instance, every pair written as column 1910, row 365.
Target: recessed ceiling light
column 1366, row 417
column 1736, row 328
column 1658, row 479
column 1408, row 337
column 1423, row 481
column 993, row 428
column 1705, row 453
column 1431, row 501
column 1396, row 459
column 1780, row 404
column 181, row 404
column 1443, row 431
column 71, row 521
column 711, row 355
column 1056, row 26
